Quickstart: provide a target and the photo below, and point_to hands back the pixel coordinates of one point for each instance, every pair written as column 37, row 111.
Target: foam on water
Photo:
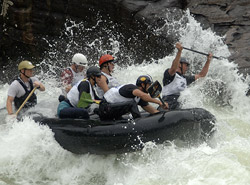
column 30, row 155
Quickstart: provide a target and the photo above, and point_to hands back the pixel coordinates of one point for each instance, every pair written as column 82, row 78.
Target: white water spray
column 30, row 155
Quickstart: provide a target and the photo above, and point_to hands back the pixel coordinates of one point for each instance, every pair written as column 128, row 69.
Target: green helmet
column 25, row 65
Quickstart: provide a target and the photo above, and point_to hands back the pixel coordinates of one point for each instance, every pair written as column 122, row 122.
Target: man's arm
column 9, row 101
column 150, row 109
column 176, row 62
column 204, row 70
column 102, row 83
column 39, row 85
column 145, row 97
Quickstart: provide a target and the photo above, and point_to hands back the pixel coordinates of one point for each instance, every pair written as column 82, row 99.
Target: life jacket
column 178, row 84
column 113, row 96
column 73, row 94
column 76, row 76
column 32, row 100
column 111, row 81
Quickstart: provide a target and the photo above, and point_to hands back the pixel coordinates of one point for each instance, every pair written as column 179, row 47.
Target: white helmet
column 80, row 59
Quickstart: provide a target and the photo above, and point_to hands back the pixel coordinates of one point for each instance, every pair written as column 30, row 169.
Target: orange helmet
column 106, row 58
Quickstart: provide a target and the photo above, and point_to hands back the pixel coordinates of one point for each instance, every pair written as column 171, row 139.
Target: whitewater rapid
column 29, row 153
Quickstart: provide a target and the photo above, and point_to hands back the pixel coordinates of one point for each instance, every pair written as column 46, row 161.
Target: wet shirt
column 111, row 81
column 127, row 92
column 69, row 77
column 17, row 90
column 167, row 78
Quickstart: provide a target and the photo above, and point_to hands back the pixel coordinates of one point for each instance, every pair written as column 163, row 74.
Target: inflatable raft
column 93, row 136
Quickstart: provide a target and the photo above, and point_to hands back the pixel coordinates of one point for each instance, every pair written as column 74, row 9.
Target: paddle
column 220, row 58
column 26, row 100
column 155, row 91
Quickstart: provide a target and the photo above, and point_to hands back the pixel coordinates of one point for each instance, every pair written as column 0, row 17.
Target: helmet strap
column 109, row 70
column 181, row 68
column 24, row 73
column 76, row 66
column 144, row 88
column 93, row 78
column 107, row 67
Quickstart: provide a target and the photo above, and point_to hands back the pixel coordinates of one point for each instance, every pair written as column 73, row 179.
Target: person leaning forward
column 82, row 98
column 175, row 80
column 21, row 87
column 125, row 98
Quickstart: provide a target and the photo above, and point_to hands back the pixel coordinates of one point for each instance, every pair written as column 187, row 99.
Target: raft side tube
column 120, row 136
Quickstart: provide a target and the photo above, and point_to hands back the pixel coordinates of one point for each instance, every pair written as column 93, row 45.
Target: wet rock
column 230, row 18
column 29, row 26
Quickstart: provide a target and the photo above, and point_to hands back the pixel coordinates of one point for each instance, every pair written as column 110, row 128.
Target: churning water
column 29, row 153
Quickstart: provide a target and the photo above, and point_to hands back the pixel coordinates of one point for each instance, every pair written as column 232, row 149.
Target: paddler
column 107, row 64
column 126, row 98
column 82, row 98
column 175, row 80
column 21, row 87
column 71, row 75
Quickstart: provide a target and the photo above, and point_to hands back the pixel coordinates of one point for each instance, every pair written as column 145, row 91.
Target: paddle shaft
column 200, row 52
column 161, row 100
column 20, row 108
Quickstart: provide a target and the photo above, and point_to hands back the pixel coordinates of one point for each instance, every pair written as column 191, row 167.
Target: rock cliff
column 26, row 26
column 230, row 18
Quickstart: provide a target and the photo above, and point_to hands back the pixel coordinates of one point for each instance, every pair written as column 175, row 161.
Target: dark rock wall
column 230, row 18
column 28, row 22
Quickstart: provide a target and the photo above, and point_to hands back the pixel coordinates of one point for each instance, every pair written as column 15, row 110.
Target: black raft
column 120, row 136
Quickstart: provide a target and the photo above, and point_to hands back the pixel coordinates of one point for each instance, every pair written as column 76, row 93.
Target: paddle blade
column 155, row 89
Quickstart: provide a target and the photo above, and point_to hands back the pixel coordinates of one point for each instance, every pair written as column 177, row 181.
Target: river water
column 29, row 153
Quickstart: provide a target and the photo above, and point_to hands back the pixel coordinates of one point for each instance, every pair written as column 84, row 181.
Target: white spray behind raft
column 30, row 155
